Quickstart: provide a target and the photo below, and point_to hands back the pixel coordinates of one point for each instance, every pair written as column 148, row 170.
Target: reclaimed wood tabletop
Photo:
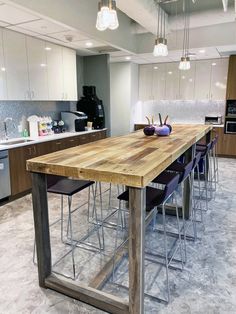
column 133, row 160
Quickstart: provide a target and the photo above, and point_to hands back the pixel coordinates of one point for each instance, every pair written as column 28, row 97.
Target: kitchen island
column 133, row 160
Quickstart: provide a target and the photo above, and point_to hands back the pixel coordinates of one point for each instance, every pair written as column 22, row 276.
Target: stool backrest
column 196, row 160
column 187, row 169
column 171, row 187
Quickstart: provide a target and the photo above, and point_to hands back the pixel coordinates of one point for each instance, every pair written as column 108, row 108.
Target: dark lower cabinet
column 20, row 177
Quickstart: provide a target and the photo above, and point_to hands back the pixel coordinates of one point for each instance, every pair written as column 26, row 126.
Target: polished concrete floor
column 206, row 285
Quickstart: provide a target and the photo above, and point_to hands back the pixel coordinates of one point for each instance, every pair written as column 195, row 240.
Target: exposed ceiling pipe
column 225, row 5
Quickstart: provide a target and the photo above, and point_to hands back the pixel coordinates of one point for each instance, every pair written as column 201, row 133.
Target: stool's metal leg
column 199, row 189
column 62, row 219
column 95, row 214
column 179, row 231
column 184, row 226
column 102, row 220
column 206, row 183
column 116, row 240
column 166, row 252
column 71, row 235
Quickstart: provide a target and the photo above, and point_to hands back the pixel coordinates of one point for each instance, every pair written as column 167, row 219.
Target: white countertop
column 40, row 139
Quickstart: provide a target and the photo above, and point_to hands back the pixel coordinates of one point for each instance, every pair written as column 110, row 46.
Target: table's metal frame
column 89, row 294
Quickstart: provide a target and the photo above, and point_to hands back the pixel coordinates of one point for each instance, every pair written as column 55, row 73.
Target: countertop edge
column 47, row 138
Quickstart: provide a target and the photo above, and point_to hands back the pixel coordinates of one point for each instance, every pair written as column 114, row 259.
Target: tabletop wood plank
column 133, row 159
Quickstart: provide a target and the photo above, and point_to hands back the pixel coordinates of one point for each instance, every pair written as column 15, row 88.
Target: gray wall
column 19, row 111
column 97, row 72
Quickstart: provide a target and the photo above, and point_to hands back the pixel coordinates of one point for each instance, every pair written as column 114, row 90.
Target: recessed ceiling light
column 183, row 77
column 128, row 58
column 202, row 51
column 213, row 64
column 48, row 48
column 3, row 69
column 170, row 72
column 88, row 44
column 155, row 68
column 43, row 65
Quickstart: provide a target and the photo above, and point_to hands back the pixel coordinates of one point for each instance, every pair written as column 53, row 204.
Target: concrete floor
column 207, row 284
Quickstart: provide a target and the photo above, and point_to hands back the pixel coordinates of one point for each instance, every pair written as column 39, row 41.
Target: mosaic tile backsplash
column 179, row 111
column 19, row 112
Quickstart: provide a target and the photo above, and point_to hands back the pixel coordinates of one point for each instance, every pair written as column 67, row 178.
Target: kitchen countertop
column 213, row 125
column 36, row 140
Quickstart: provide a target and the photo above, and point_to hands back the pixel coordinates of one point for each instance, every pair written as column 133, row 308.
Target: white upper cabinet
column 145, row 82
column 37, row 63
column 203, row 79
column 172, row 81
column 69, row 74
column 3, row 80
column 187, row 83
column 219, row 71
column 55, row 72
column 16, row 65
column 159, row 81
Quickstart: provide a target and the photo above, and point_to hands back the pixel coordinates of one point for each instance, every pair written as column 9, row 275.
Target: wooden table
column 133, row 160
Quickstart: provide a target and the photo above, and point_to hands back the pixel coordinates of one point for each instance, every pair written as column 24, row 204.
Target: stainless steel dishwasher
column 5, row 184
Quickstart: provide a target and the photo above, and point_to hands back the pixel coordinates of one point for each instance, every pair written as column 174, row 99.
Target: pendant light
column 107, row 15
column 160, row 48
column 184, row 64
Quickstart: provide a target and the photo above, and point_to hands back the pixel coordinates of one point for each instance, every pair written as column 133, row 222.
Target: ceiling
column 176, row 7
column 140, row 17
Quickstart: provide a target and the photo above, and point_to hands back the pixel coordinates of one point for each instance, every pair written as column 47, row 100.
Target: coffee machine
column 75, row 121
column 92, row 106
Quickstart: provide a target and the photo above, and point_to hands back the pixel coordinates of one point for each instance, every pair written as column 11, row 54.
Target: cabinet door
column 69, row 74
column 231, row 90
column 16, row 65
column 219, row 69
column 55, row 71
column 145, row 82
column 203, row 79
column 37, row 69
column 187, row 83
column 172, row 81
column 20, row 177
column 159, row 81
column 3, row 86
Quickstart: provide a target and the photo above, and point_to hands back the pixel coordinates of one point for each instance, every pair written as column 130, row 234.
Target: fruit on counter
column 169, row 126
column 162, row 130
column 149, row 130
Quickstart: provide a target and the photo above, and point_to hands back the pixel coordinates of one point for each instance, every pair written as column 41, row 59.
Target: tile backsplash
column 19, row 111
column 179, row 111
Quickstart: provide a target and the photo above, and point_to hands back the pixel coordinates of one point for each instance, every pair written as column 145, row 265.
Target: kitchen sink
column 15, row 142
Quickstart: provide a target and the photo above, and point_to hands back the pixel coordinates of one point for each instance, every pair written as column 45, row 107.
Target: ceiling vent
column 103, row 49
column 227, row 53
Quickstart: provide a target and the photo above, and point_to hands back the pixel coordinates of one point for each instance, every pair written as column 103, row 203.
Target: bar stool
column 184, row 171
column 205, row 162
column 154, row 198
column 68, row 187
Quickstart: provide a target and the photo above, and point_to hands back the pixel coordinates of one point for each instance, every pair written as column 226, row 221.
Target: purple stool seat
column 183, row 170
column 65, row 186
column 155, row 197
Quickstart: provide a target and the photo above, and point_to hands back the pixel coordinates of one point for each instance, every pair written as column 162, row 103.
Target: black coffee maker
column 92, row 106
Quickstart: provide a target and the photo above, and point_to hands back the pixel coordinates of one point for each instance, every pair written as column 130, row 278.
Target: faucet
column 5, row 127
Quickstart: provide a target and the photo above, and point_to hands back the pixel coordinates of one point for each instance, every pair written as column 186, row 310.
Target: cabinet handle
column 32, row 94
column 62, row 97
column 35, row 150
column 72, row 140
column 58, row 143
column 29, row 149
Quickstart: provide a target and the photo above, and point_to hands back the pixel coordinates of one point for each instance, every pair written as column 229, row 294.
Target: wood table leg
column 137, row 204
column 41, row 225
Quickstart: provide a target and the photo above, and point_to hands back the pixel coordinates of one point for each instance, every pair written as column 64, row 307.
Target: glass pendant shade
column 107, row 15
column 114, row 24
column 184, row 64
column 160, row 48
